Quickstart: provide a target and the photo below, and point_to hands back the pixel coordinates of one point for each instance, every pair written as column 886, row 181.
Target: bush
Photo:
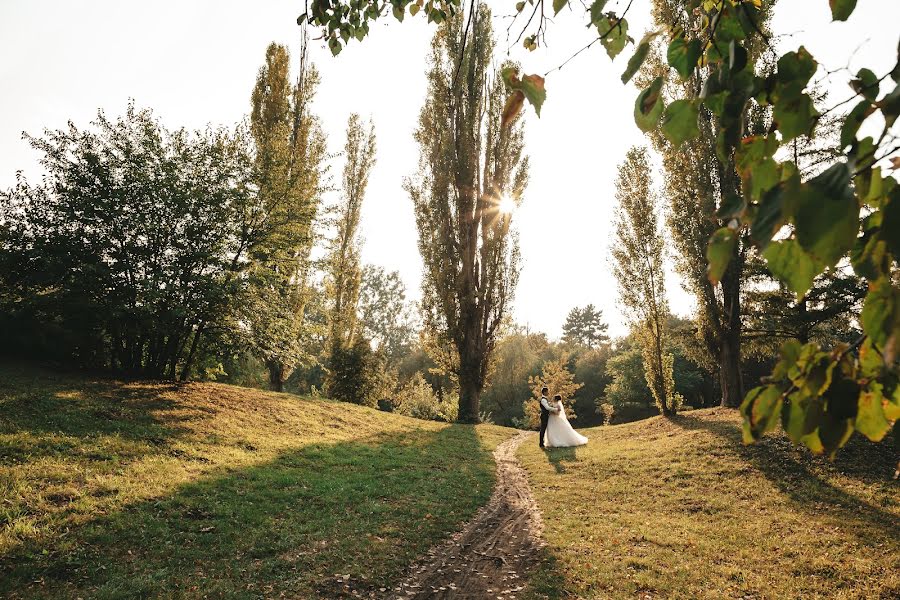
column 417, row 399
column 608, row 411
column 358, row 374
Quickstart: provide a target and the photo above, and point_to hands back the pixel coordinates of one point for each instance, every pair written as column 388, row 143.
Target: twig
column 606, row 33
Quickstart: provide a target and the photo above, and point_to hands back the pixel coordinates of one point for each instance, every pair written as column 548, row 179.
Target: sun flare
column 507, row 205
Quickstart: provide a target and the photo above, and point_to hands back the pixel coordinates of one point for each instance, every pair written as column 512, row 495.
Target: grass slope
column 681, row 509
column 130, row 489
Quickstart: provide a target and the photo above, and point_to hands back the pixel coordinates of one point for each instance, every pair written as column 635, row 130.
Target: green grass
column 681, row 509
column 132, row 489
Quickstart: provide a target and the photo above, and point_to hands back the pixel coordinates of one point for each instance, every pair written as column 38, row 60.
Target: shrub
column 608, row 411
column 417, row 399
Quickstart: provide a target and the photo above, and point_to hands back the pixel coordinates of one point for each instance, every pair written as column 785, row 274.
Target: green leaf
column 649, row 106
column 719, row 253
column 597, row 11
column 890, row 106
column 795, row 70
column 615, row 35
column 788, row 262
column 414, row 8
column 737, row 57
column 801, row 416
column 765, row 410
column 732, row 206
column 558, row 5
column 398, row 13
column 716, row 103
column 827, row 215
column 679, row 121
column 841, row 397
column 881, row 312
column 870, row 419
column 532, row 86
column 640, row 54
column 890, row 222
column 867, row 255
column 727, row 25
column 795, row 116
column 854, row 120
column 866, row 84
column 841, row 9
column 834, row 432
column 335, row 46
column 683, row 55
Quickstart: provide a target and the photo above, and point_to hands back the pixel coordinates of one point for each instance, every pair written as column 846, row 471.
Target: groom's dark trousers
column 545, row 416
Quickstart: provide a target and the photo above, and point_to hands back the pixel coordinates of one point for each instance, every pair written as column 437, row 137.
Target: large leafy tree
column 470, row 161
column 821, row 395
column 290, row 154
column 128, row 249
column 638, row 266
column 385, row 316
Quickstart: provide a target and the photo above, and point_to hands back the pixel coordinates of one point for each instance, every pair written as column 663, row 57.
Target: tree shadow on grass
column 318, row 521
column 42, row 401
column 789, row 469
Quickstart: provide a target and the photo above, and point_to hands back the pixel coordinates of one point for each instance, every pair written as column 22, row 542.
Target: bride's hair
column 557, row 397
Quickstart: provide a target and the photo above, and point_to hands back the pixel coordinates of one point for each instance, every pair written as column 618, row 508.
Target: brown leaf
column 513, row 107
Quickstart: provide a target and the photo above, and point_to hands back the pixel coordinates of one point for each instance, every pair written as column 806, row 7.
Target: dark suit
column 545, row 417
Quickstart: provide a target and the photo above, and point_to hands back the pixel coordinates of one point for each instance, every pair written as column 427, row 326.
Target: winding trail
column 492, row 555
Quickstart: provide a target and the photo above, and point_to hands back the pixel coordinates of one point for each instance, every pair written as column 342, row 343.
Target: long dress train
column 560, row 433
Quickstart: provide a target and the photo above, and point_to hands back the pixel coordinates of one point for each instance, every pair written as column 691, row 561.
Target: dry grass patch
column 681, row 509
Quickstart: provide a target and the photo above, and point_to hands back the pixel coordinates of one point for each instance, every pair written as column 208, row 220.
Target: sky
column 194, row 63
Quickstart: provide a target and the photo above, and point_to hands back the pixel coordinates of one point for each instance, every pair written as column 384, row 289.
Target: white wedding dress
column 559, row 431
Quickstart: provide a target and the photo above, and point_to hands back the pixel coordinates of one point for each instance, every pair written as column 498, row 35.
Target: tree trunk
column 470, row 385
column 730, row 377
column 189, row 362
column 276, row 375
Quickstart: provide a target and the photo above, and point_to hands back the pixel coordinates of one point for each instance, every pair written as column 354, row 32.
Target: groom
column 546, row 409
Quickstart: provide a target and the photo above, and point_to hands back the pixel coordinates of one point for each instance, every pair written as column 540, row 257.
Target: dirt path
column 492, row 555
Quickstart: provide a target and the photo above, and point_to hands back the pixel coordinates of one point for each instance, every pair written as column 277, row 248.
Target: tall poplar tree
column 470, row 161
column 638, row 267
column 344, row 268
column 290, row 152
column 699, row 182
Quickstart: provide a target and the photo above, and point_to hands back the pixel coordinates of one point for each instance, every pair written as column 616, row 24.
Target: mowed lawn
column 127, row 489
column 681, row 509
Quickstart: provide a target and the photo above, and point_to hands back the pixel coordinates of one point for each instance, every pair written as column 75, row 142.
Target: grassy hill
column 681, row 509
column 112, row 489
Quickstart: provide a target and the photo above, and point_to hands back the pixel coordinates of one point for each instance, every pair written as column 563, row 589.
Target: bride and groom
column 555, row 426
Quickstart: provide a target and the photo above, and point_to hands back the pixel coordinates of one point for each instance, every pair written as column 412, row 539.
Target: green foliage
column 416, row 398
column 585, row 327
column 638, row 267
column 649, row 106
column 344, row 271
column 385, row 315
column 732, row 86
column 556, row 376
column 471, row 155
column 288, row 166
column 679, row 121
column 358, row 374
column 87, row 277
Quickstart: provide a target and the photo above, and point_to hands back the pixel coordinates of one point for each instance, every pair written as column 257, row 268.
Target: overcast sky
column 195, row 63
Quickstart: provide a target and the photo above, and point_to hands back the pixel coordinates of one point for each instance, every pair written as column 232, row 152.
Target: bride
column 559, row 431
